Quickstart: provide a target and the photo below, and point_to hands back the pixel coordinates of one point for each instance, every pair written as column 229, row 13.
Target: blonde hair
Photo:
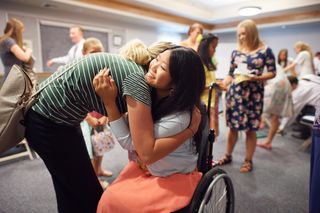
column 195, row 26
column 92, row 45
column 13, row 29
column 252, row 35
column 304, row 47
column 135, row 50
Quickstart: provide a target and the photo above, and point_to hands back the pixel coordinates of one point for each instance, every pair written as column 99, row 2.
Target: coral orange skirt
column 137, row 191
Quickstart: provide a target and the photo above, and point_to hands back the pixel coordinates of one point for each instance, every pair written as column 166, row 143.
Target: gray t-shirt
column 182, row 160
column 7, row 57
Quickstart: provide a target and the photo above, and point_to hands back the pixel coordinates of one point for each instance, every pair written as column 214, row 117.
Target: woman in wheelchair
column 166, row 181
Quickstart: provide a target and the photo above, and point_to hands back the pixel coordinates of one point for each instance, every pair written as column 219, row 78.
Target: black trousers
column 64, row 153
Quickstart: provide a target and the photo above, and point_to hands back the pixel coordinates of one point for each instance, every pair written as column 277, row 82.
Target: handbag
column 102, row 140
column 15, row 100
column 17, row 94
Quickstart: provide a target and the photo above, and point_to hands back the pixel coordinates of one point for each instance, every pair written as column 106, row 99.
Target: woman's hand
column 103, row 120
column 105, row 86
column 92, row 121
column 195, row 120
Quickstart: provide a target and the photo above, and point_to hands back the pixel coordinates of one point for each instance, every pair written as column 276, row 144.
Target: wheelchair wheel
column 214, row 193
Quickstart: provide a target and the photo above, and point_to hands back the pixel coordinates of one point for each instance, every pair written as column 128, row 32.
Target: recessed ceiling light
column 249, row 11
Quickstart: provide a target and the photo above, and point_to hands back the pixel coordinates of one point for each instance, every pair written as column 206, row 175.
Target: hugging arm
column 148, row 148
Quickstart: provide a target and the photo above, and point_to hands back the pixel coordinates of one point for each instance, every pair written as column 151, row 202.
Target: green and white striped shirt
column 68, row 99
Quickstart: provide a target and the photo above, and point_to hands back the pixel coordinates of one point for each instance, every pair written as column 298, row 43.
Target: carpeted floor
column 278, row 184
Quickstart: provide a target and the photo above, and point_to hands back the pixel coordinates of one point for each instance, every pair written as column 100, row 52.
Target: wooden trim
column 275, row 19
column 143, row 11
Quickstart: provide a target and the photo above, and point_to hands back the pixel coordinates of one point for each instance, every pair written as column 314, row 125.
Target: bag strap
column 49, row 82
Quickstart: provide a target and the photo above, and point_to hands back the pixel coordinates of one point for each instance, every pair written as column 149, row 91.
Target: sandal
column 246, row 166
column 225, row 160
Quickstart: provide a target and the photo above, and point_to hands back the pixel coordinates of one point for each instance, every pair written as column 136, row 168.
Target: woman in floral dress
column 245, row 82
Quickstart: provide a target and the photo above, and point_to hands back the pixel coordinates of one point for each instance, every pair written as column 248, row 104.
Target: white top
column 316, row 63
column 182, row 160
column 305, row 62
column 73, row 53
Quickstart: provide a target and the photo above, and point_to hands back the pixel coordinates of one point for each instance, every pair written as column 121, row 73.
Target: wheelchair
column 215, row 192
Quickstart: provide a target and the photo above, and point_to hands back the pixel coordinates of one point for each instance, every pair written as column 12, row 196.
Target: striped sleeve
column 135, row 86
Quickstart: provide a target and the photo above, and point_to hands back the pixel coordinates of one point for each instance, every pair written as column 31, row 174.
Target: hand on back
column 105, row 86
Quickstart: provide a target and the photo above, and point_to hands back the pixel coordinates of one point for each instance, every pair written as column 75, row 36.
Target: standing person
column 304, row 59
column 94, row 119
column 11, row 46
column 206, row 51
column 178, row 79
column 194, row 36
column 277, row 103
column 314, row 205
column 284, row 61
column 76, row 36
column 244, row 98
column 53, row 122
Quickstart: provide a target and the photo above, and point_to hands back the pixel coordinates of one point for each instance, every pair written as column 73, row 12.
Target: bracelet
column 191, row 131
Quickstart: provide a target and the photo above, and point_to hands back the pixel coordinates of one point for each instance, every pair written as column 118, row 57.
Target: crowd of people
column 164, row 83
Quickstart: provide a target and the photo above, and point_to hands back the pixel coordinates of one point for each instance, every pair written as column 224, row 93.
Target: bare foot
column 265, row 145
column 105, row 173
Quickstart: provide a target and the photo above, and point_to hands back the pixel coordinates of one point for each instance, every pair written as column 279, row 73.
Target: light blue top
column 182, row 160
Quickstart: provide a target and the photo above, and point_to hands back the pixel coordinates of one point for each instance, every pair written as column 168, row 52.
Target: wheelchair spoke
column 215, row 200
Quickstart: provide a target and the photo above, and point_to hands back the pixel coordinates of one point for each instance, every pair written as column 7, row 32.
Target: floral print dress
column 244, row 100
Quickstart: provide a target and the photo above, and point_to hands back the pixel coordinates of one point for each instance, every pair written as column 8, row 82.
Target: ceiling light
column 249, row 11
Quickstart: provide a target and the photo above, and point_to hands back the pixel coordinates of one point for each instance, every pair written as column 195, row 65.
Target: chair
column 214, row 192
column 27, row 152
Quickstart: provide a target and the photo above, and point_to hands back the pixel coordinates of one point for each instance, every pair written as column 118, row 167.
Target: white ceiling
column 205, row 11
column 223, row 11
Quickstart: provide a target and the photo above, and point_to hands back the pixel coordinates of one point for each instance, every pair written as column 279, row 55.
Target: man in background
column 76, row 36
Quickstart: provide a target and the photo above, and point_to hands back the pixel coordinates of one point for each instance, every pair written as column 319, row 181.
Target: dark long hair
column 203, row 51
column 286, row 60
column 188, row 79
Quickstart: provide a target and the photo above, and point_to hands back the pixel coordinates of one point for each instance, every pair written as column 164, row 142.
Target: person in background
column 316, row 62
column 244, row 97
column 277, row 103
column 166, row 185
column 194, row 36
column 12, row 50
column 76, row 36
column 206, row 51
column 306, row 93
column 53, row 122
column 304, row 59
column 94, row 119
column 284, row 61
